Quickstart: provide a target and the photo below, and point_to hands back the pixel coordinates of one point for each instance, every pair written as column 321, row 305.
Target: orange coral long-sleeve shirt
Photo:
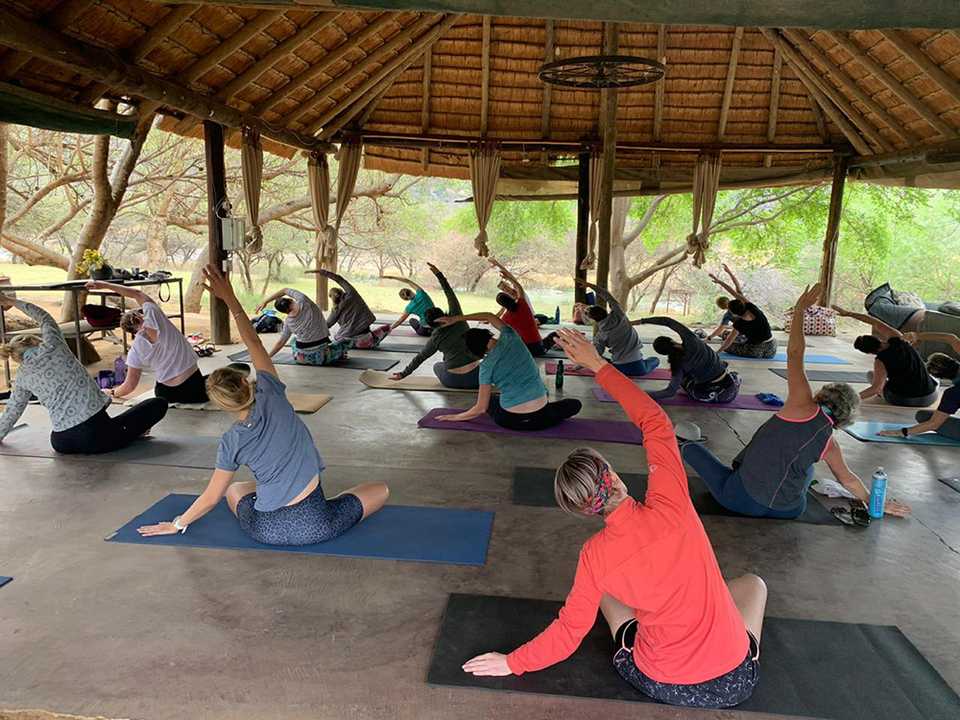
column 655, row 557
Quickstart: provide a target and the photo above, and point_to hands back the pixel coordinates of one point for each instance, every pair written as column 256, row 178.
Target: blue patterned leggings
column 312, row 520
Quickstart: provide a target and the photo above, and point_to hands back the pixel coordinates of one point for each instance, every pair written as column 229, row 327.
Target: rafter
column 818, row 117
column 228, row 46
column 58, row 18
column 425, row 109
column 947, row 83
column 659, row 91
column 485, row 76
column 549, row 54
column 774, row 102
column 728, row 87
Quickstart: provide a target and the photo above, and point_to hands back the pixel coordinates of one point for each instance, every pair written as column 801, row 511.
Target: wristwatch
column 178, row 526
column 904, row 432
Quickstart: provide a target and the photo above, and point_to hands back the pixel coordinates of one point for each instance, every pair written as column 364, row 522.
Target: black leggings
column 192, row 390
column 102, row 433
column 546, row 417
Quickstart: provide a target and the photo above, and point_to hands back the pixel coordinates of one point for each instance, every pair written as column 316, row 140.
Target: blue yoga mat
column 4, row 580
column 782, row 357
column 397, row 532
column 867, row 432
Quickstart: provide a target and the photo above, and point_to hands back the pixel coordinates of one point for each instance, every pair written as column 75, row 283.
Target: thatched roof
column 421, row 86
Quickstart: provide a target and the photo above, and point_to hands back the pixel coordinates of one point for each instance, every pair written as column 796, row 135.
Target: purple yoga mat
column 658, row 374
column 742, row 402
column 615, row 431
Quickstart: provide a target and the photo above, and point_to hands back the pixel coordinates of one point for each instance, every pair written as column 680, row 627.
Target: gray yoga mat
column 353, row 362
column 808, row 668
column 533, row 486
column 847, row 376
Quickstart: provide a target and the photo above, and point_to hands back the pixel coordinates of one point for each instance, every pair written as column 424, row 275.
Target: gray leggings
column 457, row 381
column 950, row 429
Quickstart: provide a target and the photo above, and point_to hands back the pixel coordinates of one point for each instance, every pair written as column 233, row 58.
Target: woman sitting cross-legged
column 771, row 475
column 694, row 366
column 77, row 405
column 460, row 368
column 516, row 312
column 353, row 315
column 285, row 505
column 418, row 303
column 681, row 635
column 305, row 322
column 751, row 335
column 508, row 364
column 615, row 331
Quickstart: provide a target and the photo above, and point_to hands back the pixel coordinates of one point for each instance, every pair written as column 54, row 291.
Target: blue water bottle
column 878, row 493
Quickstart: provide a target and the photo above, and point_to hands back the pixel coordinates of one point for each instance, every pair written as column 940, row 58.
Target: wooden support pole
column 425, row 108
column 549, row 55
column 216, row 195
column 608, row 110
column 831, row 240
column 583, row 223
column 774, row 102
column 728, row 87
column 485, row 76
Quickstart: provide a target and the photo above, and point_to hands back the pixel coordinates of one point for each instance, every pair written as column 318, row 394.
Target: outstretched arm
column 947, row 338
column 685, row 333
column 937, row 419
column 478, row 409
column 339, row 279
column 269, row 299
column 603, row 294
column 883, row 330
column 207, row 501
column 128, row 292
column 728, row 288
column 736, row 283
column 480, row 317
column 846, row 477
column 406, row 281
column 799, row 395
column 216, row 284
column 50, row 331
column 508, row 276
column 17, row 403
column 879, row 380
column 129, row 384
column 453, row 303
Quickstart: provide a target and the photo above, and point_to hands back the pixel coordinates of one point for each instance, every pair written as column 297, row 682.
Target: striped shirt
column 309, row 325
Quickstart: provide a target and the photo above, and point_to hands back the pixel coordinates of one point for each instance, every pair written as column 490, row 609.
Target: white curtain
column 706, row 182
column 348, row 158
column 484, row 173
column 251, row 165
column 318, row 181
column 596, row 185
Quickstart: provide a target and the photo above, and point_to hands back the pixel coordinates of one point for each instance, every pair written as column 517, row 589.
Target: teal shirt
column 419, row 305
column 511, row 367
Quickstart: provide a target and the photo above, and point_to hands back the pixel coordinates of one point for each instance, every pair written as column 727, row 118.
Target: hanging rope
column 251, row 166
column 706, row 183
column 484, row 173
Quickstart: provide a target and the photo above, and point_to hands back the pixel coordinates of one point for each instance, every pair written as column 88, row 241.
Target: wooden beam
column 949, row 84
column 216, row 195
column 728, row 87
column 485, row 76
column 425, row 109
column 608, row 108
column 405, row 58
column 378, row 59
column 583, row 223
column 892, row 83
column 280, row 51
column 774, row 102
column 850, row 85
column 659, row 88
column 229, row 45
column 60, row 17
column 95, row 62
column 801, row 70
column 168, row 25
column 831, row 240
column 350, row 44
column 818, row 118
column 549, row 55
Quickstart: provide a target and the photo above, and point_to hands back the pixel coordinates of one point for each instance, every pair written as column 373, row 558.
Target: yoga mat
column 615, row 431
column 951, row 482
column 306, row 403
column 399, row 347
column 809, row 668
column 397, row 532
column 382, row 381
column 847, row 376
column 4, row 580
column 656, row 374
column 867, row 432
column 782, row 357
column 533, row 487
column 741, row 402
column 353, row 362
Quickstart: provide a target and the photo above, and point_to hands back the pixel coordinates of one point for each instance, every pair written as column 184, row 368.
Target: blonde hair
column 231, row 389
column 17, row 346
column 132, row 321
column 575, row 484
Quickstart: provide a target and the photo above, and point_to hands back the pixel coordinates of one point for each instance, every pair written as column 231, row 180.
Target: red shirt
column 653, row 556
column 523, row 322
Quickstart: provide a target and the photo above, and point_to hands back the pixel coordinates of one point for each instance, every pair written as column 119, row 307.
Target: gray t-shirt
column 616, row 332
column 309, row 326
column 352, row 313
column 275, row 444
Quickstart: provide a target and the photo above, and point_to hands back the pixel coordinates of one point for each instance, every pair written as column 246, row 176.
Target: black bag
column 267, row 324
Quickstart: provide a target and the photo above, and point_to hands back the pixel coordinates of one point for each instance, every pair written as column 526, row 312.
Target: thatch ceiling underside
column 421, row 86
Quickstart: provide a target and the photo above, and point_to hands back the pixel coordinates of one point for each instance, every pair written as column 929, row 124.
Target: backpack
column 119, row 370
column 267, row 324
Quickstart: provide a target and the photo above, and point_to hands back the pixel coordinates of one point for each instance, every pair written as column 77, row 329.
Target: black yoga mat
column 533, row 486
column 835, row 671
column 353, row 362
column 951, row 482
column 400, row 347
column 847, row 376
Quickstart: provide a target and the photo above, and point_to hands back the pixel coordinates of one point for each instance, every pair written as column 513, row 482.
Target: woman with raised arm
column 517, row 313
column 681, row 635
column 76, row 404
column 285, row 505
column 615, row 331
column 305, row 322
column 460, row 368
column 353, row 315
column 694, row 366
column 771, row 475
column 157, row 346
column 418, row 303
column 522, row 404
column 751, row 335
column 899, row 374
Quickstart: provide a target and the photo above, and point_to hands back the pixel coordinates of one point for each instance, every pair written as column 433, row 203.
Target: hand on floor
column 896, row 508
column 489, row 664
column 166, row 528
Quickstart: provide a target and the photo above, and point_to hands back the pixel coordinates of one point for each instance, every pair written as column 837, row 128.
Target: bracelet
column 904, row 431
column 181, row 528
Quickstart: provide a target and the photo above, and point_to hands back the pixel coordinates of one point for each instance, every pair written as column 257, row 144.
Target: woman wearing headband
column 681, row 635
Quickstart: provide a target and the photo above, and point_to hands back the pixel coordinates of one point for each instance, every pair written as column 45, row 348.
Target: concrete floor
column 97, row 628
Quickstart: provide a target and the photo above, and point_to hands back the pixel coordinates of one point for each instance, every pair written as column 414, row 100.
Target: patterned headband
column 602, row 494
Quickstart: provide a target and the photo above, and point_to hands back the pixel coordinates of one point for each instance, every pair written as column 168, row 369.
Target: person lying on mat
column 508, row 364
column 460, row 368
column 157, row 346
column 285, row 505
column 694, row 366
column 614, row 331
column 305, row 322
column 899, row 374
column 681, row 635
column 76, row 404
column 516, row 312
column 723, row 302
column 418, row 303
column 771, row 475
column 751, row 335
column 353, row 314
column 941, row 420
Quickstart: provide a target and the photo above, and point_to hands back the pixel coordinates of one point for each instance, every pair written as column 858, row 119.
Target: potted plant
column 94, row 264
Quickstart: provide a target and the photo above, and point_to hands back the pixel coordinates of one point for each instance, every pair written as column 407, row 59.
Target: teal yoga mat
column 813, row 358
column 867, row 432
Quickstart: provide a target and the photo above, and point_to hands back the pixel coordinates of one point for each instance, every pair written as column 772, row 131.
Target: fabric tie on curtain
column 596, row 184
column 251, row 166
column 484, row 173
column 706, row 183
column 318, row 181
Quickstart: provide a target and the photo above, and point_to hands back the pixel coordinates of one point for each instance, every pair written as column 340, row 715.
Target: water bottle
column 556, row 316
column 559, row 380
column 878, row 493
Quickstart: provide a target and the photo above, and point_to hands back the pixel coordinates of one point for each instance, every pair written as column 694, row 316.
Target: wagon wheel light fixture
column 595, row 72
